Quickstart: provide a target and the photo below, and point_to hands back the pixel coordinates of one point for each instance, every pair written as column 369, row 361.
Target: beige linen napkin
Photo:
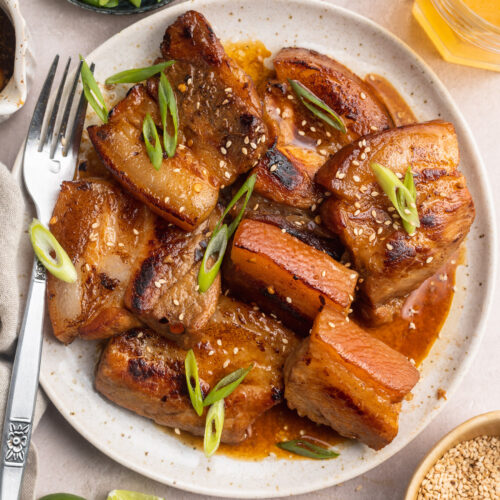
column 12, row 268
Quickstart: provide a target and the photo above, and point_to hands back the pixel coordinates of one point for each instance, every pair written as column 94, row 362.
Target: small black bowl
column 124, row 7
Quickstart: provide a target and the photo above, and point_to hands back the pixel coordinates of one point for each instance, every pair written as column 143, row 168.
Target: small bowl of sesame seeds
column 464, row 464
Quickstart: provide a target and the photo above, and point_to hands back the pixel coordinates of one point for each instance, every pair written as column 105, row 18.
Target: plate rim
column 490, row 220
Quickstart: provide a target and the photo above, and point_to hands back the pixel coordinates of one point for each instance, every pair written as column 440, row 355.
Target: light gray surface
column 67, row 462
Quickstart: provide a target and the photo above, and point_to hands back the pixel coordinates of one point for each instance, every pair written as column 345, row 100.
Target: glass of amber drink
column 464, row 31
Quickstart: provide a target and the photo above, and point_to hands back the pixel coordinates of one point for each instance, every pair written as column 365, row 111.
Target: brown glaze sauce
column 412, row 334
column 7, row 49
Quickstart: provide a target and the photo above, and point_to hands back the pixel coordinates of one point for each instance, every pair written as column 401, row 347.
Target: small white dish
column 13, row 96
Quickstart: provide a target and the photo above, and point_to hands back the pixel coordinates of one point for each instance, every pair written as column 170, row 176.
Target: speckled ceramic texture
column 124, row 7
column 67, row 372
column 13, row 96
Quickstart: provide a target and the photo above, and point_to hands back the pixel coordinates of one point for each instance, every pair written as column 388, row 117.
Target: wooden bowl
column 487, row 424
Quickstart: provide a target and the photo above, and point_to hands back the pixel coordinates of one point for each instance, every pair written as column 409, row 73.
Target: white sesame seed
column 363, row 156
column 157, row 284
column 176, row 302
column 95, row 225
column 284, row 340
column 339, row 175
column 302, row 133
column 429, row 260
column 289, row 300
column 356, row 178
column 181, row 209
column 177, row 431
column 357, row 212
column 219, row 342
column 372, row 237
column 374, row 194
column 355, row 162
column 135, row 231
column 244, row 151
column 228, row 144
column 211, row 353
column 389, row 246
column 181, row 316
column 227, row 175
column 412, row 326
column 362, row 95
column 235, row 350
column 226, row 363
column 223, row 150
column 331, row 324
column 273, row 167
column 253, row 145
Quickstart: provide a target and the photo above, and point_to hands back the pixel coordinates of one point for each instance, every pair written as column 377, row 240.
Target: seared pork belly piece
column 301, row 223
column 391, row 262
column 284, row 270
column 144, row 371
column 304, row 142
column 220, row 113
column 104, row 232
column 163, row 290
column 181, row 191
column 343, row 377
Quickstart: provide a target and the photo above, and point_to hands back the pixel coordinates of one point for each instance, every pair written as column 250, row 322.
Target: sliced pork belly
column 343, row 377
column 283, row 270
column 220, row 113
column 163, row 290
column 304, row 142
column 391, row 262
column 103, row 230
column 180, row 191
column 144, row 371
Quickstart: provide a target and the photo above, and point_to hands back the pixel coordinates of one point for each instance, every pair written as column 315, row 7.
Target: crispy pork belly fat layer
column 303, row 279
column 180, row 191
column 343, row 377
column 391, row 262
column 220, row 113
column 303, row 142
column 95, row 222
column 163, row 289
column 144, row 372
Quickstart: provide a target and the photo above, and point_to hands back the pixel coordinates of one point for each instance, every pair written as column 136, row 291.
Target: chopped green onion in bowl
column 130, row 495
column 92, row 92
column 307, row 449
column 138, row 74
column 44, row 245
column 403, row 196
column 213, row 428
column 317, row 106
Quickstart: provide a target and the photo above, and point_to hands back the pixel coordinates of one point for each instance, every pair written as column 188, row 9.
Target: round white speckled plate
column 67, row 373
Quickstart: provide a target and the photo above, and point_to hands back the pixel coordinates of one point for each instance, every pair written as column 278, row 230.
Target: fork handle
column 18, row 420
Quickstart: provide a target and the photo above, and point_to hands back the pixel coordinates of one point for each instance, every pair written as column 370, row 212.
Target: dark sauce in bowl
column 7, row 49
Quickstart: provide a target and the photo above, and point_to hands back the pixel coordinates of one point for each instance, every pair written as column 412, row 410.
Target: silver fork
column 48, row 160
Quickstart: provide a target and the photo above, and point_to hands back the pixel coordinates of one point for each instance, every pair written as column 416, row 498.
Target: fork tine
column 36, row 124
column 67, row 110
column 47, row 138
column 72, row 147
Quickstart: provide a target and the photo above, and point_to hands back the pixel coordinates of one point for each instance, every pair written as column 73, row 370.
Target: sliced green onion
column 109, row 4
column 216, row 246
column 221, row 235
column 191, row 368
column 135, row 3
column 307, row 449
column 138, row 74
column 312, row 102
column 92, row 92
column 152, row 141
column 402, row 196
column 44, row 244
column 213, row 428
column 167, row 103
column 61, row 496
column 226, row 386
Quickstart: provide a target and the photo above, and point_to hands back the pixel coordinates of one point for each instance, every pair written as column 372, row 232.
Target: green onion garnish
column 226, row 386
column 135, row 3
column 138, row 74
column 213, row 428
column 92, row 92
column 221, row 235
column 402, row 196
column 152, row 141
column 44, row 244
column 191, row 368
column 167, row 103
column 216, row 246
column 307, row 449
column 312, row 102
